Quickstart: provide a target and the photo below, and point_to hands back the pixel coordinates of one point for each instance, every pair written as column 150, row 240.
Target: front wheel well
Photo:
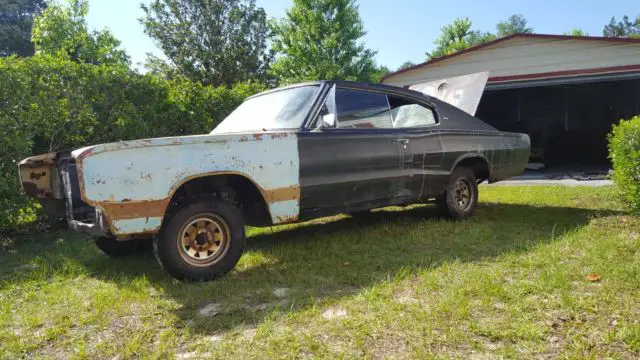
column 478, row 166
column 233, row 188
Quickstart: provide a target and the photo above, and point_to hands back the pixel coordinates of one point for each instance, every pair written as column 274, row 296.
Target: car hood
column 180, row 140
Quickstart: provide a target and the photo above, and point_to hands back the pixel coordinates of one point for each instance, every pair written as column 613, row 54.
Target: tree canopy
column 406, row 65
column 215, row 42
column 458, row 36
column 623, row 28
column 61, row 30
column 576, row 32
column 16, row 21
column 378, row 73
column 321, row 39
column 515, row 24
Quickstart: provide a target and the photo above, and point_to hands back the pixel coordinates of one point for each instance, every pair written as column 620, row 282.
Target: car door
column 355, row 164
column 416, row 124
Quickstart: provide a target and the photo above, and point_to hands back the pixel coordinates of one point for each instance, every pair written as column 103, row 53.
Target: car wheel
column 460, row 199
column 201, row 240
column 118, row 249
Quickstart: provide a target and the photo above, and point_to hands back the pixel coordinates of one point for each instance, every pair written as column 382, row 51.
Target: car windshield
column 281, row 109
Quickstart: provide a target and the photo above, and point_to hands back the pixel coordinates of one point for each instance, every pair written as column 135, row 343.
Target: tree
column 215, row 42
column 515, row 24
column 321, row 39
column 16, row 20
column 157, row 66
column 378, row 74
column 406, row 65
column 61, row 30
column 624, row 28
column 576, row 32
column 478, row 37
column 458, row 36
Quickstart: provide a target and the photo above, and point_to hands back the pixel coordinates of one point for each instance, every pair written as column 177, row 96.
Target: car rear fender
column 477, row 162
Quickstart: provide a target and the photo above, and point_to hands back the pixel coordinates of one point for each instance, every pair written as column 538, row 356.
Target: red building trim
column 566, row 73
column 490, row 43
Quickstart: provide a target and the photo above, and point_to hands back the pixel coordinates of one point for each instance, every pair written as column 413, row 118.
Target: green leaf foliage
column 576, row 32
column 215, row 42
column 406, row 65
column 624, row 152
column 49, row 103
column 321, row 40
column 16, row 20
column 458, row 36
column 623, row 28
column 515, row 24
column 61, row 30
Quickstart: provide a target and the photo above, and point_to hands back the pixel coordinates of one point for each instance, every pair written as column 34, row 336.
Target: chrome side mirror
column 329, row 121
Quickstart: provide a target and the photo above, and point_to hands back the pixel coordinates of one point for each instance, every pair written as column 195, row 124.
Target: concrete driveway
column 565, row 182
column 561, row 176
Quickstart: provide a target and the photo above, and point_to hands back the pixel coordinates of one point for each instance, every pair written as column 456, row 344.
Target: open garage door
column 568, row 121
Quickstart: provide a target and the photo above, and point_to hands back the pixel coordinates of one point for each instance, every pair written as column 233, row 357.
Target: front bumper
column 53, row 180
column 96, row 227
column 80, row 215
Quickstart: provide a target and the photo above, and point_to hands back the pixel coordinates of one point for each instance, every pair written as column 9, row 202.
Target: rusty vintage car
column 287, row 155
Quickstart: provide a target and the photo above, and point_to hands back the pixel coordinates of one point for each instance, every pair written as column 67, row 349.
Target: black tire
column 119, row 249
column 201, row 255
column 460, row 199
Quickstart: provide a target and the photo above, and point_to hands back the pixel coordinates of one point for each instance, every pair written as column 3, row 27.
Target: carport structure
column 564, row 91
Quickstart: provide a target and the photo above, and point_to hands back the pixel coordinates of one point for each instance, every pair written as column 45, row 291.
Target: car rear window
column 406, row 113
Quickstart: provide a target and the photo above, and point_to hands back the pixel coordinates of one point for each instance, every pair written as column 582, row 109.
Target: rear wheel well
column 232, row 188
column 478, row 166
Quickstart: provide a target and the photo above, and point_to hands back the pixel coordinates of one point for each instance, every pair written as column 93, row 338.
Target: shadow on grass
column 320, row 261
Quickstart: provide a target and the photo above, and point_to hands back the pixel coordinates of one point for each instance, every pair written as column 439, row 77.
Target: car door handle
column 401, row 141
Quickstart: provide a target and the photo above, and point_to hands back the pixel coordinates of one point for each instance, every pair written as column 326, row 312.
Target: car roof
column 390, row 89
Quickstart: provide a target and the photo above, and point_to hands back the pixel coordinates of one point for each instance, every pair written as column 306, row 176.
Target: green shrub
column 15, row 144
column 48, row 104
column 624, row 152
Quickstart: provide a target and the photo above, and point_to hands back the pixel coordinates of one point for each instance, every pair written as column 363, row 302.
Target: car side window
column 406, row 113
column 362, row 110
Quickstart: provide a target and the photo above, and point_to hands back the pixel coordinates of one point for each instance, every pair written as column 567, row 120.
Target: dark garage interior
column 568, row 122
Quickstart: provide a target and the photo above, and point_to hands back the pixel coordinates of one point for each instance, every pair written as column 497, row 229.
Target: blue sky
column 399, row 30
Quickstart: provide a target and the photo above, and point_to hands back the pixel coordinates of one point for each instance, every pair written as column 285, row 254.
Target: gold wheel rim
column 204, row 239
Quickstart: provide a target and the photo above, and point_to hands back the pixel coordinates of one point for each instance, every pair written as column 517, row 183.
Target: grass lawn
column 399, row 283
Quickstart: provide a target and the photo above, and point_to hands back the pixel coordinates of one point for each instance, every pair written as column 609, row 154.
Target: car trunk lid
column 463, row 92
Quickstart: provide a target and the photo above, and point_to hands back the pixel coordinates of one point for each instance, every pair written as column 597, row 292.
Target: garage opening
column 568, row 122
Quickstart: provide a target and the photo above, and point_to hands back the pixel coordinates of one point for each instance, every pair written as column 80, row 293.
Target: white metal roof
column 524, row 59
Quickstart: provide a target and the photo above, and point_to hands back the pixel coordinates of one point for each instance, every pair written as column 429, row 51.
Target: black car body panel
column 345, row 170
